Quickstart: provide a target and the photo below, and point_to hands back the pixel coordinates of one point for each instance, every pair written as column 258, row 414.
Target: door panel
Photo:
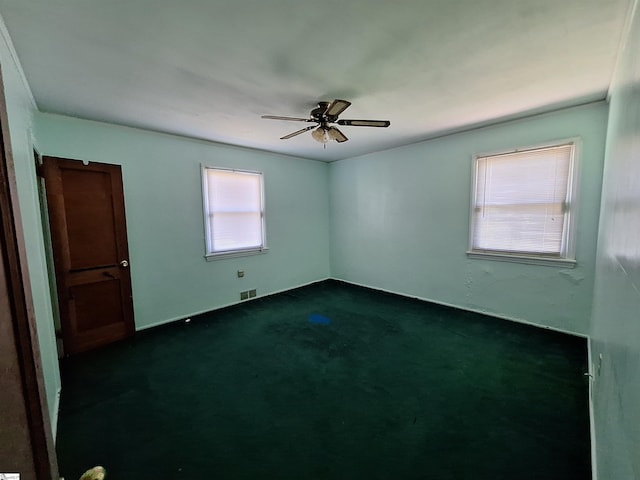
column 88, row 233
column 90, row 218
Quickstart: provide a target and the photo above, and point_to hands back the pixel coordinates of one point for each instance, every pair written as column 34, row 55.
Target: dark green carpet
column 391, row 388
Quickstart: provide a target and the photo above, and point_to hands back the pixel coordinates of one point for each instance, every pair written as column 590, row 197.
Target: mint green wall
column 400, row 222
column 616, row 314
column 163, row 197
column 20, row 108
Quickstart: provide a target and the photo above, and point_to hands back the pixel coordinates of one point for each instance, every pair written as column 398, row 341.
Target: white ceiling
column 209, row 69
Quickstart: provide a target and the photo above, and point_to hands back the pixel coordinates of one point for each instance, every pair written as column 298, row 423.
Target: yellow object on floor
column 96, row 473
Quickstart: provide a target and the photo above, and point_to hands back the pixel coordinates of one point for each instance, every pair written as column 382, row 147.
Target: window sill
column 527, row 259
column 212, row 257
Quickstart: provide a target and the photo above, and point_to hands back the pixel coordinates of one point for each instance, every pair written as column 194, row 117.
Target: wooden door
column 91, row 256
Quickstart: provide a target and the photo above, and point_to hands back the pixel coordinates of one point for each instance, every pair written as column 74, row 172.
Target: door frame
column 42, row 463
column 48, row 250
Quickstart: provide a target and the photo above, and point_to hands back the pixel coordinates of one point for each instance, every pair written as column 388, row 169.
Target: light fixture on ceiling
column 321, row 134
column 324, row 134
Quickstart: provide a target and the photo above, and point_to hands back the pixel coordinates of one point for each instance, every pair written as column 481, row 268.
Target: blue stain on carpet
column 317, row 318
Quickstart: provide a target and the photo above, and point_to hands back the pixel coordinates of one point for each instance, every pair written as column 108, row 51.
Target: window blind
column 235, row 212
column 521, row 201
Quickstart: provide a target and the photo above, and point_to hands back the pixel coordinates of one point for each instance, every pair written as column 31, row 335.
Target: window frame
column 239, row 252
column 567, row 256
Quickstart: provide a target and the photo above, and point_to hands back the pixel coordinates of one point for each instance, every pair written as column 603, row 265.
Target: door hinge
column 39, row 164
column 39, row 169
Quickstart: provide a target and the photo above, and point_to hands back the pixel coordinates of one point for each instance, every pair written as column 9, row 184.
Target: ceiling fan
column 323, row 116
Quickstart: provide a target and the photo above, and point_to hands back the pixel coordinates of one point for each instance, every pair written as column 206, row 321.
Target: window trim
column 567, row 258
column 240, row 252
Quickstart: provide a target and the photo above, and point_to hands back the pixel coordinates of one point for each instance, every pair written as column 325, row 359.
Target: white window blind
column 522, row 200
column 234, row 214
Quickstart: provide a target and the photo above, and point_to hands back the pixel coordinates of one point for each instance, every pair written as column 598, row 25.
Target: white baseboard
column 467, row 309
column 54, row 416
column 592, row 420
column 213, row 309
column 424, row 299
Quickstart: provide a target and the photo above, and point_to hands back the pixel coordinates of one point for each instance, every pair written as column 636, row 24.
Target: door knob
column 124, row 264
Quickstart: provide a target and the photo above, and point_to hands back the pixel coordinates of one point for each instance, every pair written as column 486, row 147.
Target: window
column 234, row 212
column 522, row 205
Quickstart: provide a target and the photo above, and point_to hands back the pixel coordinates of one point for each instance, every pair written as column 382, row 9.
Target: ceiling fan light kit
column 321, row 135
column 323, row 116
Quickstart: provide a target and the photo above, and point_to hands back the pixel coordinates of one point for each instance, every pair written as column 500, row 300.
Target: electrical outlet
column 240, row 273
column 244, row 295
column 252, row 293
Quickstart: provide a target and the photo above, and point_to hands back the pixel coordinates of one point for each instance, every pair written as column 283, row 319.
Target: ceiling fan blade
column 337, row 135
column 295, row 119
column 298, row 132
column 365, row 123
column 336, row 108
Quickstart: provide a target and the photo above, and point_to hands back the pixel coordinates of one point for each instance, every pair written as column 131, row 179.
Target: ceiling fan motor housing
column 318, row 113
